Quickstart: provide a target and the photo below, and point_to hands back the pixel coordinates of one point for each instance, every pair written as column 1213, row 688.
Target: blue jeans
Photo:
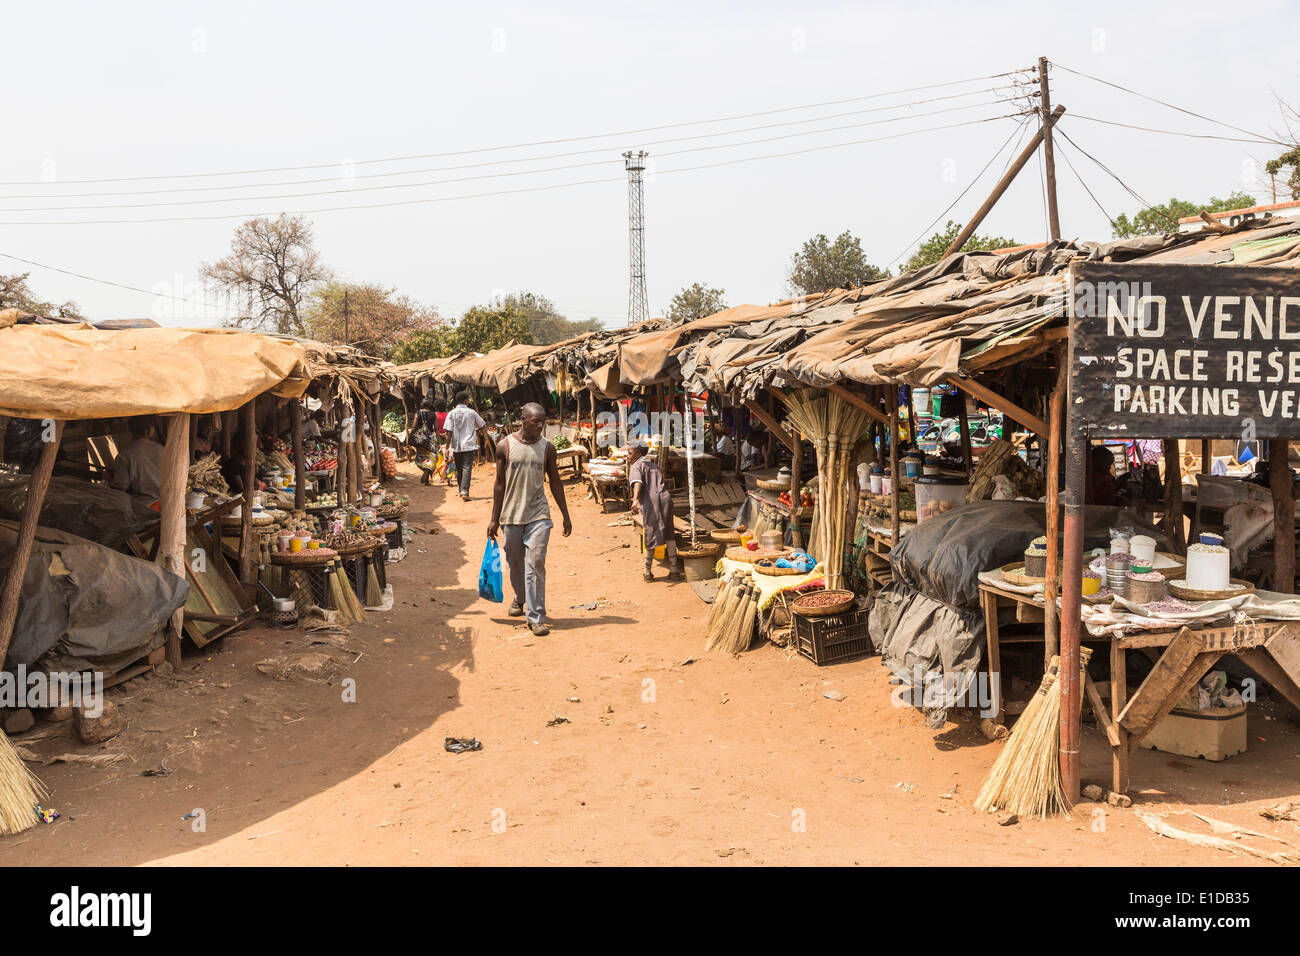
column 525, row 547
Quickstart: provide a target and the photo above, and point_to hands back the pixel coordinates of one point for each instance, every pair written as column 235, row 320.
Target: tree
column 821, row 265
column 480, row 329
column 16, row 294
column 547, row 324
column 272, row 267
column 1155, row 220
column 365, row 315
column 1291, row 157
column 933, row 249
column 695, row 302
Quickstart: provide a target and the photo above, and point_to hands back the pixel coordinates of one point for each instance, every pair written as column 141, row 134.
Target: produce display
column 806, row 499
column 823, row 598
column 560, row 442
column 320, row 455
column 388, row 461
column 345, row 540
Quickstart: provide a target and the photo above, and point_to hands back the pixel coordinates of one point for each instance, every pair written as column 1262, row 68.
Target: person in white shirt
column 311, row 427
column 137, row 467
column 462, row 425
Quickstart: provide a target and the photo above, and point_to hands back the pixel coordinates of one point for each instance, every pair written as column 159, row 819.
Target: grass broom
column 726, row 605
column 374, row 594
column 1026, row 777
column 724, row 585
column 20, row 791
column 729, row 639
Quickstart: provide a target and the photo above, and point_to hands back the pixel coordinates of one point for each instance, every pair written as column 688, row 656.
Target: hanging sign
column 1184, row 351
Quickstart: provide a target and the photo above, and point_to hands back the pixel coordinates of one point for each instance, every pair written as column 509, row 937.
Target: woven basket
column 772, row 484
column 829, row 610
column 745, row 556
column 363, row 548
column 1179, row 589
column 386, row 528
column 768, row 566
column 259, row 521
column 702, row 549
column 391, row 512
column 299, row 559
column 725, row 537
column 1175, row 573
column 1015, row 574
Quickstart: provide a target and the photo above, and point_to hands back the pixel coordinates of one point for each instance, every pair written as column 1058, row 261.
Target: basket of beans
column 823, row 603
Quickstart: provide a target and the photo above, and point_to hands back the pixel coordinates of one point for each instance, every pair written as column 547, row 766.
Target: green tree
column 1155, row 220
column 547, row 324
column 821, row 265
column 366, row 315
column 695, row 302
column 1290, row 158
column 16, row 294
column 933, row 249
column 480, row 329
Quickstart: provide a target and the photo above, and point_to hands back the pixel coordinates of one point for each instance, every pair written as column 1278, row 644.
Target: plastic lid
column 940, row 480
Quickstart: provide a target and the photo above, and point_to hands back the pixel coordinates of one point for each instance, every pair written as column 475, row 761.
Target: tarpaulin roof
column 968, row 313
column 69, row 372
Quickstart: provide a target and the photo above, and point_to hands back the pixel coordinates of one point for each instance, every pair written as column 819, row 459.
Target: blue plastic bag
column 489, row 573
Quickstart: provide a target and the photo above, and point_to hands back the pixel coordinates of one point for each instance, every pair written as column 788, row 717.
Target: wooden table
column 1269, row 648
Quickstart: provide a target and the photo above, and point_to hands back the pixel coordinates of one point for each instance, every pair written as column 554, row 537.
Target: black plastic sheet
column 92, row 511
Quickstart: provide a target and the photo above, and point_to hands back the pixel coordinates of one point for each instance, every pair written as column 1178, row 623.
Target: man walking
column 463, row 424
column 519, row 508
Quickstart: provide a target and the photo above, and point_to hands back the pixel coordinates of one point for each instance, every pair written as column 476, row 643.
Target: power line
column 998, row 152
column 481, row 176
column 1107, row 170
column 119, row 285
column 1169, row 132
column 1109, row 218
column 1208, row 119
column 502, row 162
column 544, row 142
column 506, row 192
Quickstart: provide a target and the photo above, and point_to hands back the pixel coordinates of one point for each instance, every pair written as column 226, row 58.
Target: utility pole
column 1049, row 157
column 1003, row 183
column 638, row 305
column 347, row 339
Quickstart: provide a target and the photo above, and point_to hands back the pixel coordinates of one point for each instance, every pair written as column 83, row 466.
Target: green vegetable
column 560, row 442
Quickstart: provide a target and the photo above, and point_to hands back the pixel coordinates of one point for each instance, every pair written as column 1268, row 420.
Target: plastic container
column 864, row 477
column 912, row 466
column 1142, row 547
column 877, row 481
column 937, row 495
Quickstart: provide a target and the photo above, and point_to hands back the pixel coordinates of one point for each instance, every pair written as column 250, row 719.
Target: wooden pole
column 377, row 439
column 1056, row 419
column 1076, row 446
column 299, row 476
column 38, row 484
column 249, row 415
column 1049, row 155
column 340, row 458
column 1003, row 183
column 963, row 421
column 796, row 488
column 1174, row 496
column 1282, row 485
column 894, row 521
column 171, row 509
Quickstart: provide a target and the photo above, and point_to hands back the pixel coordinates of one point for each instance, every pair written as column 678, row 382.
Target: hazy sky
column 106, row 91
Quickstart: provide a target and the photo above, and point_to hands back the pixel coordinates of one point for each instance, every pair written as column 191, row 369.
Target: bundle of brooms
column 20, row 791
column 734, row 614
column 1026, row 777
column 834, row 427
column 206, row 474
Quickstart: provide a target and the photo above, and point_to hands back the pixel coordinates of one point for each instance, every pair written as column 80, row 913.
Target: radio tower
column 638, row 306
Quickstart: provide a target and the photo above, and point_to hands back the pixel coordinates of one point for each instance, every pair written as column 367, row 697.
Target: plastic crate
column 827, row 640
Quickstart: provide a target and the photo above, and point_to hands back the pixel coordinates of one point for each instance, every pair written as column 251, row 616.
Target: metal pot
column 770, row 539
column 284, row 605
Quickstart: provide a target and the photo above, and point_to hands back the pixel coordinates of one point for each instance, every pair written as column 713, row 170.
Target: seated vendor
column 646, row 485
column 137, row 467
column 1104, row 489
column 311, row 426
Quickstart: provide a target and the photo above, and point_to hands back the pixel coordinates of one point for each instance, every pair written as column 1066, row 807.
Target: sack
column 489, row 573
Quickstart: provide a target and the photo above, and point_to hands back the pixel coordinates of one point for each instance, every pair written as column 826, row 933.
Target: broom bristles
column 1026, row 777
column 20, row 791
column 729, row 600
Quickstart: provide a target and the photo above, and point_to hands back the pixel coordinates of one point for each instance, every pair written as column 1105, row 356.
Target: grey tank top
column 525, row 498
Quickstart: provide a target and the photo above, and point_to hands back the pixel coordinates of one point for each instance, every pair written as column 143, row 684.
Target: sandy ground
column 668, row 756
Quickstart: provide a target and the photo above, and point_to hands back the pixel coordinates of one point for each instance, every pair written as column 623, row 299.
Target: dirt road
column 667, row 755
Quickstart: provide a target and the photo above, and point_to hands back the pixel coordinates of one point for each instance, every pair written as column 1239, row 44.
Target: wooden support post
column 1048, row 122
column 796, row 489
column 299, row 476
column 37, row 485
column 1283, row 488
column 1076, row 445
column 1007, row 407
column 963, row 421
column 894, row 522
column 1056, row 416
column 248, row 414
column 1118, row 701
column 772, row 425
column 171, row 510
column 341, row 458
column 1174, row 496
column 377, row 440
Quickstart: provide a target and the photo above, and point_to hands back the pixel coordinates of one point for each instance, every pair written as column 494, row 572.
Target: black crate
column 826, row 640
